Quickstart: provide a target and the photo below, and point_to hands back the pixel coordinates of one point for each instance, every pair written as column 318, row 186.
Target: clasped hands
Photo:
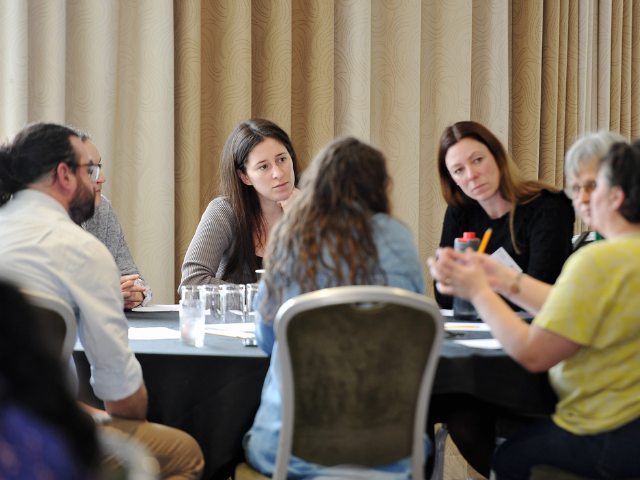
column 466, row 274
column 133, row 294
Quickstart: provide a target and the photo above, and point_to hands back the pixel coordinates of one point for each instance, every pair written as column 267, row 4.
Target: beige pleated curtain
column 160, row 85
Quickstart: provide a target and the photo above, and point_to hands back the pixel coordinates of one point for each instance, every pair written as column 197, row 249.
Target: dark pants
column 613, row 454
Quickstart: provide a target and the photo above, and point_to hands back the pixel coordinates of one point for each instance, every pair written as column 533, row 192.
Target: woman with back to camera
column 339, row 232
column 258, row 176
column 586, row 333
column 531, row 220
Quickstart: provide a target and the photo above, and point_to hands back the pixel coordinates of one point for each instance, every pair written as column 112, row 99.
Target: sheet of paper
column 227, row 333
column 484, row 343
column 157, row 308
column 152, row 333
column 471, row 326
column 505, row 259
column 232, row 327
column 446, row 313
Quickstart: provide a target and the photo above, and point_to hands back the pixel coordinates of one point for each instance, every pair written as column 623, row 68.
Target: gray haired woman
column 580, row 165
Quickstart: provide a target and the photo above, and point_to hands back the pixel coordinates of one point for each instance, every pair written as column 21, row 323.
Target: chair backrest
column 56, row 320
column 357, row 369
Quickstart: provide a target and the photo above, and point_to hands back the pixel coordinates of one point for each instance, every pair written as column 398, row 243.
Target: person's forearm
column 523, row 290
column 505, row 325
column 133, row 407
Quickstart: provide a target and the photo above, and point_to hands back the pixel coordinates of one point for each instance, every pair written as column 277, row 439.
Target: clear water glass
column 211, row 296
column 251, row 290
column 192, row 322
column 232, row 303
column 189, row 292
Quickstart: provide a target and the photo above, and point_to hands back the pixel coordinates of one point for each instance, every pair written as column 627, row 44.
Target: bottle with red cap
column 463, row 309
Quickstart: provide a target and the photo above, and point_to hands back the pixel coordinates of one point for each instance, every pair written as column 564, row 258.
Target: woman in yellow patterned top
column 586, row 333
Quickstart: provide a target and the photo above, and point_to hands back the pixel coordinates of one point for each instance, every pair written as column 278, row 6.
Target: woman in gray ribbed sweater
column 258, row 177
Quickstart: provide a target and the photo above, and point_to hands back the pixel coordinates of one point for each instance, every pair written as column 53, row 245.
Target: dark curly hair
column 622, row 169
column 34, row 153
column 329, row 228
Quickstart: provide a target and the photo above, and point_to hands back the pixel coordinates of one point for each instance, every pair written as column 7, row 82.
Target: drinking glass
column 192, row 322
column 189, row 292
column 232, row 303
column 251, row 292
column 211, row 296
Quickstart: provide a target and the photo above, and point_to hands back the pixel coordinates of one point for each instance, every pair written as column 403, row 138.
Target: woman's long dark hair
column 32, row 377
column 250, row 225
column 512, row 188
column 327, row 232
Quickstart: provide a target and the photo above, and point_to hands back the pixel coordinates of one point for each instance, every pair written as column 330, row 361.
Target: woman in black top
column 531, row 220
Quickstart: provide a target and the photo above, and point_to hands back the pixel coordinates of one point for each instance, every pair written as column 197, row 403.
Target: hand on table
column 285, row 204
column 131, row 293
column 458, row 273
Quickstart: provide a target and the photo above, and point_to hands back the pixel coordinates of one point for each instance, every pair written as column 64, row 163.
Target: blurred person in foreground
column 43, row 431
column 46, row 191
column 585, row 333
column 338, row 232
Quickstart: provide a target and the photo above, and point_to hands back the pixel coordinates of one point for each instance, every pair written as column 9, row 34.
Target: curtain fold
column 161, row 84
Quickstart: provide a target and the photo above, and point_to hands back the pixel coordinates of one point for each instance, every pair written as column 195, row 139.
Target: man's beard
column 83, row 204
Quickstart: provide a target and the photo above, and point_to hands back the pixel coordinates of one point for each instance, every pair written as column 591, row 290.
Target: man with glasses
column 104, row 224
column 46, row 189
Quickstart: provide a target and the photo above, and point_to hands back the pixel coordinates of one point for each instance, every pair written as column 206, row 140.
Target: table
column 213, row 392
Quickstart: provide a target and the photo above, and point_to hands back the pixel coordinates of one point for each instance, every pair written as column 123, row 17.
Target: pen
column 485, row 240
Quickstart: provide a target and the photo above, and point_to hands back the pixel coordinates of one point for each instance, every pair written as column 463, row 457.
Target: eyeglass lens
column 94, row 173
column 588, row 188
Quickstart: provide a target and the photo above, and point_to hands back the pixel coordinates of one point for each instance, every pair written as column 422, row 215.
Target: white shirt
column 42, row 249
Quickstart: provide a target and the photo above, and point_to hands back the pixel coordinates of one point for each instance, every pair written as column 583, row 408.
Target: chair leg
column 439, row 447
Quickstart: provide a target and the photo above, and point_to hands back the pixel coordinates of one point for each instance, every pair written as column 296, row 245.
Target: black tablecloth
column 213, row 392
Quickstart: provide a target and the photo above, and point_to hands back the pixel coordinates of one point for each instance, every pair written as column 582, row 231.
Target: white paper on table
column 446, row 313
column 505, row 259
column 232, row 327
column 471, row 326
column 157, row 308
column 484, row 343
column 152, row 333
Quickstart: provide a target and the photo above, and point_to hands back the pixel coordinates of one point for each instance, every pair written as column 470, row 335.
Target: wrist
column 514, row 286
column 507, row 278
column 480, row 294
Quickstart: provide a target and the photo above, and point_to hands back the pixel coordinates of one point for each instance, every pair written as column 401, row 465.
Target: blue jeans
column 612, row 454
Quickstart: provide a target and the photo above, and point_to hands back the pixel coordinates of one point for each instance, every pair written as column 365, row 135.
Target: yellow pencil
column 485, row 240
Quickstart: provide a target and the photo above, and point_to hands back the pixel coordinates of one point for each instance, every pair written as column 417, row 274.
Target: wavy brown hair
column 250, row 226
column 327, row 232
column 511, row 187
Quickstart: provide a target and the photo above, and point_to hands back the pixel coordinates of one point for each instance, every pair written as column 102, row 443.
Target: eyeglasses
column 93, row 171
column 573, row 191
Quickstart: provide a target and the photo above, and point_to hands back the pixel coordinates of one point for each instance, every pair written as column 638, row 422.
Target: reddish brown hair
column 511, row 187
